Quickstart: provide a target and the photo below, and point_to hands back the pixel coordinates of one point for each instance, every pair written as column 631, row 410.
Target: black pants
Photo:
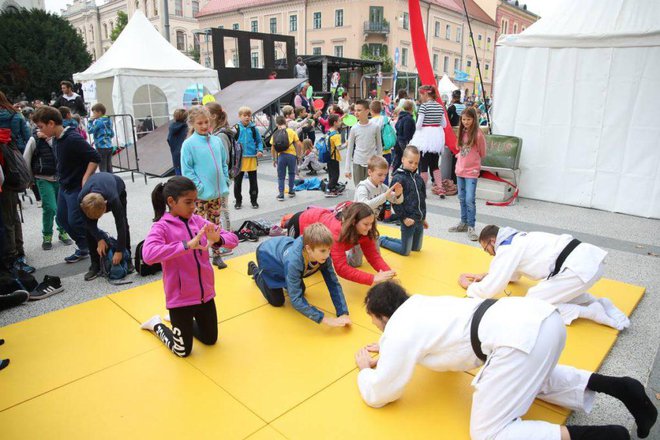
column 429, row 162
column 333, row 174
column 238, row 186
column 397, row 154
column 293, row 225
column 308, row 133
column 199, row 320
column 95, row 258
column 106, row 160
column 13, row 230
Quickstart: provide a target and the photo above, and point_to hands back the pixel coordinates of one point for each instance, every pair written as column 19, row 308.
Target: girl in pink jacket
column 179, row 240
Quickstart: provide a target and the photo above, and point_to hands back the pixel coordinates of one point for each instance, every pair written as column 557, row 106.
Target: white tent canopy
column 446, row 87
column 581, row 88
column 144, row 75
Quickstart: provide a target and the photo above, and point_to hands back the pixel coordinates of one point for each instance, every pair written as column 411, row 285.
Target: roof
column 520, row 7
column 339, row 62
column 474, row 10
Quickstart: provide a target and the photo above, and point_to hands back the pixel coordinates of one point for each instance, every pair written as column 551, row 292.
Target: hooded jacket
column 73, row 154
column 101, row 129
column 176, row 135
column 405, row 128
column 187, row 273
column 414, row 194
column 74, row 102
column 250, row 138
column 204, row 161
column 20, row 130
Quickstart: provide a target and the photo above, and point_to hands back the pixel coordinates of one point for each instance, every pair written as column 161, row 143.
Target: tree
column 122, row 21
column 37, row 51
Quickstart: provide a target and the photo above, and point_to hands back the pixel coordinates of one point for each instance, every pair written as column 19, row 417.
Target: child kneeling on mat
column 179, row 240
column 283, row 262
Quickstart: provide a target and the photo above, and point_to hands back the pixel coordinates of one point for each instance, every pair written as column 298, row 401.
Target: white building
column 18, row 4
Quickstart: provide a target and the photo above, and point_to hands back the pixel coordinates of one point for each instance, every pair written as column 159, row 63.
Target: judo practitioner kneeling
column 518, row 339
column 566, row 267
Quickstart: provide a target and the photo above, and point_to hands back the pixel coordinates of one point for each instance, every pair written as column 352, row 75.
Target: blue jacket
column 284, row 263
column 19, row 128
column 414, row 195
column 246, row 137
column 101, row 129
column 405, row 128
column 204, row 161
column 176, row 135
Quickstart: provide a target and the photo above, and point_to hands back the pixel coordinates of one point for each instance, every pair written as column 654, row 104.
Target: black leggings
column 238, row 186
column 293, row 225
column 333, row 174
column 199, row 320
column 429, row 162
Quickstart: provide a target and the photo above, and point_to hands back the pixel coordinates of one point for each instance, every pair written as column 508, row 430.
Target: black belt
column 474, row 327
column 563, row 255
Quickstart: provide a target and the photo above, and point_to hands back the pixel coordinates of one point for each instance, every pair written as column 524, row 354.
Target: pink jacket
column 468, row 158
column 187, row 274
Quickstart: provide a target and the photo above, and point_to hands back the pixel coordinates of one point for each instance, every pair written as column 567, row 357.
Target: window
column 339, row 18
column 448, row 32
column 436, row 30
column 479, row 41
column 487, row 70
column 105, row 30
column 376, row 14
column 468, row 66
column 254, row 60
column 375, row 49
column 273, row 25
column 406, row 20
column 317, row 20
column 515, row 28
column 505, row 26
column 178, row 8
column 488, row 43
column 155, row 7
column 316, row 51
column 457, row 64
column 339, row 51
column 235, row 26
column 293, row 23
column 435, row 61
column 459, row 34
column 254, row 26
column 180, row 40
column 195, row 7
column 445, row 65
column 404, row 56
column 522, row 29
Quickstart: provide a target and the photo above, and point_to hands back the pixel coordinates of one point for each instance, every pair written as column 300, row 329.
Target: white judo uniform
column 533, row 255
column 522, row 338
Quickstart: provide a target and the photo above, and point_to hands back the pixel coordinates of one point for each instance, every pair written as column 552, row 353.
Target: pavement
column 633, row 244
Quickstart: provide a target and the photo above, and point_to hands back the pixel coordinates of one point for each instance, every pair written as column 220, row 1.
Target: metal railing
column 377, row 27
column 126, row 156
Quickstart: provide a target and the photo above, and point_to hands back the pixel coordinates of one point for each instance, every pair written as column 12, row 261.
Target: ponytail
column 175, row 188
column 158, row 201
column 430, row 90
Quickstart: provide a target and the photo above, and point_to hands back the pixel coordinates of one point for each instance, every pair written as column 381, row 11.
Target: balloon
column 208, row 98
column 310, row 92
column 387, row 100
column 349, row 120
column 319, row 104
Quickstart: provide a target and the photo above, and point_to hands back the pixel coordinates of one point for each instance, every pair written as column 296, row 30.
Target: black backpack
column 281, row 140
column 143, row 268
column 16, row 171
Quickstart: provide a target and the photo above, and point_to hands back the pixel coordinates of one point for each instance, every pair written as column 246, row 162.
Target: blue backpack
column 115, row 273
column 323, row 147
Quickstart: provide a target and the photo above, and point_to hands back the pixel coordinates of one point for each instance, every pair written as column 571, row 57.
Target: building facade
column 513, row 17
column 95, row 23
column 349, row 28
column 18, row 4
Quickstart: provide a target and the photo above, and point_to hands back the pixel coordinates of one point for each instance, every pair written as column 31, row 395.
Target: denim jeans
column 411, row 239
column 467, row 189
column 71, row 217
column 286, row 161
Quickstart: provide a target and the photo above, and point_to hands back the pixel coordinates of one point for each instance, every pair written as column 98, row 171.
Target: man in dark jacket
column 76, row 162
column 70, row 99
column 405, row 129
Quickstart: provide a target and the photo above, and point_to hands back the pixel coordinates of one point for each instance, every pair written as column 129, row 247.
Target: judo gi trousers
column 511, row 379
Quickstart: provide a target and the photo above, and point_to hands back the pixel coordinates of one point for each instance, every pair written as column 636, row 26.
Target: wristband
column 185, row 245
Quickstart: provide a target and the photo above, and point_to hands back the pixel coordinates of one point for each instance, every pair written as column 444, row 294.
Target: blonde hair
column 317, row 235
column 220, row 116
column 408, row 106
column 287, row 110
column 308, row 145
column 299, row 110
column 375, row 107
column 377, row 163
column 194, row 113
column 93, row 205
column 244, row 111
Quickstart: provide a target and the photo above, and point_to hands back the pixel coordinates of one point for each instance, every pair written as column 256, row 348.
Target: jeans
column 95, row 258
column 71, row 217
column 388, row 158
column 49, row 191
column 467, row 189
column 411, row 239
column 286, row 161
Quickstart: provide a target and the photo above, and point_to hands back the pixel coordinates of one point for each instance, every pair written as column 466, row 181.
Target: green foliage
column 122, row 21
column 388, row 62
column 194, row 54
column 37, row 51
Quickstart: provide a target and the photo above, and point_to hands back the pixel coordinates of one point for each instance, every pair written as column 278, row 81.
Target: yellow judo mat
column 89, row 371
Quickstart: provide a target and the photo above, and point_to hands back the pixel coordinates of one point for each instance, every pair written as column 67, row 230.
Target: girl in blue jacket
column 204, row 161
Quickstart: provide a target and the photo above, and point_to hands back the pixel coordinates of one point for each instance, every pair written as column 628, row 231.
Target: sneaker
column 246, row 234
column 472, row 234
column 48, row 287
column 226, row 252
column 217, row 262
column 130, row 268
column 280, row 197
column 153, row 322
column 461, row 227
column 332, row 194
column 64, row 238
column 16, row 298
column 292, row 194
column 255, row 205
column 311, row 173
column 77, row 256
column 20, row 264
column 47, row 243
column 92, row 273
column 238, row 205
column 252, row 268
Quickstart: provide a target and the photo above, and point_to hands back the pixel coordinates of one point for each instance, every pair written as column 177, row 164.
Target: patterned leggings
column 216, row 211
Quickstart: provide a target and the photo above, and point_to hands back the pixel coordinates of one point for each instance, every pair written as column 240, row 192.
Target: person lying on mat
column 517, row 340
column 353, row 226
column 283, row 262
column 566, row 267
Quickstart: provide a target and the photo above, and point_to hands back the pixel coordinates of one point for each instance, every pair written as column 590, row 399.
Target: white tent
column 582, row 89
column 446, row 87
column 145, row 76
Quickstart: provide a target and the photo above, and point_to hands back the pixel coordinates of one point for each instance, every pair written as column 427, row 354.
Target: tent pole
column 481, row 80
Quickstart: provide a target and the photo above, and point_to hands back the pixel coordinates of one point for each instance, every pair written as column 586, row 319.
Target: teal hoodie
column 204, row 161
column 250, row 138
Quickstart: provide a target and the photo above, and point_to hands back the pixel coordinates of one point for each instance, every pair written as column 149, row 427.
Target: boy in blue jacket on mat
column 283, row 262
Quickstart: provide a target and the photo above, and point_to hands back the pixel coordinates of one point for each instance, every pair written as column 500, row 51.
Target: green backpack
column 388, row 134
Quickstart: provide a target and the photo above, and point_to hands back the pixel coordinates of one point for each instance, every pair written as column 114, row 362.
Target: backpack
column 324, row 148
column 16, row 171
column 143, row 268
column 236, row 151
column 388, row 135
column 115, row 273
column 281, row 140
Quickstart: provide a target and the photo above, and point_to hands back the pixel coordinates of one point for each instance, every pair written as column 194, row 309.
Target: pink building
column 512, row 17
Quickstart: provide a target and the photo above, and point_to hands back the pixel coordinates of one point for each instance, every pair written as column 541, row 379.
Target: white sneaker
column 461, row 227
column 472, row 234
column 149, row 325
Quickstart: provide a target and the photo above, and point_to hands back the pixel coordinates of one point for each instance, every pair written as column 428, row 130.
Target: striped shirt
column 433, row 113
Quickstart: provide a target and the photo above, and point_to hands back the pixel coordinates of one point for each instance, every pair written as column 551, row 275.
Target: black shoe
column 292, row 194
column 131, row 267
column 47, row 243
column 48, row 287
column 311, row 173
column 20, row 264
column 217, row 261
column 92, row 273
column 14, row 299
column 238, row 205
column 252, row 268
column 255, row 205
